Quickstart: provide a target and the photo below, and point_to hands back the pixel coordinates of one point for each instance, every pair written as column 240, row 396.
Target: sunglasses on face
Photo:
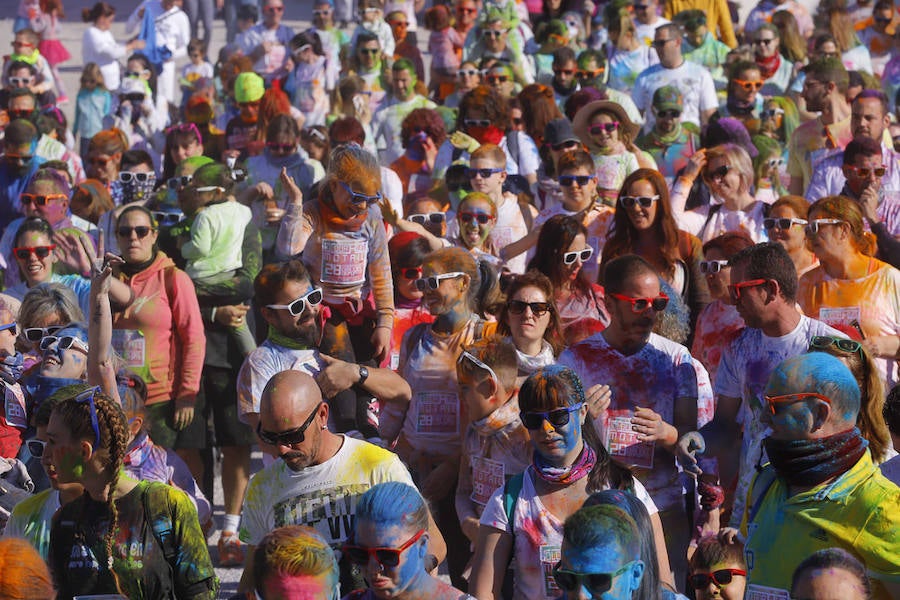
column 36, row 334
column 19, row 113
column 357, row 198
column 167, row 219
column 98, row 161
column 141, row 231
column 386, row 557
column 721, row 578
column 601, row 127
column 770, row 113
column 569, row 72
column 865, row 172
column 435, row 218
column 476, row 122
column 288, row 438
column 567, row 145
column 40, row 200
column 495, row 79
column 370, row 51
column 749, row 85
column 42, row 252
column 65, row 342
column 596, row 583
column 717, row 174
column 321, row 13
column 812, row 228
column 492, row 33
column 8, row 326
column 582, row 255
column 369, row 10
column 709, row 267
column 774, row 162
column 771, row 401
column 470, row 217
column 136, row 74
column 639, row 305
column 668, row 114
column 174, row 183
column 296, row 308
column 468, row 73
column 36, row 447
column 17, row 44
column 87, row 396
column 282, row 148
column 660, row 43
column 411, row 273
column 21, row 159
column 432, row 283
column 557, row 418
column 783, row 224
column 763, row 41
column 20, row 80
column 585, row 75
column 581, row 180
column 482, row 173
column 823, row 342
column 642, row 201
column 538, row 309
column 128, row 177
column 736, row 289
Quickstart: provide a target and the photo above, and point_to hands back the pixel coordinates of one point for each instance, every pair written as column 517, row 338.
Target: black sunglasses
column 291, row 437
column 596, row 583
column 177, row 182
column 557, row 418
column 483, row 173
column 141, row 231
column 581, row 180
column 538, row 309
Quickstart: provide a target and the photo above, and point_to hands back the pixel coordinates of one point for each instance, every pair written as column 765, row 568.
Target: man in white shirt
column 388, row 119
column 646, row 20
column 266, row 43
column 695, row 82
column 173, row 30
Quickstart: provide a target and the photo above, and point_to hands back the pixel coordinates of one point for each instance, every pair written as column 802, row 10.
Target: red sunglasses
column 386, row 557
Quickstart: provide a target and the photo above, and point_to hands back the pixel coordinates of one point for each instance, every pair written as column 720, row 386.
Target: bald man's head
column 292, row 418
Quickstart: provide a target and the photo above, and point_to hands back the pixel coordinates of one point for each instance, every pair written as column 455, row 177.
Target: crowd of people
column 588, row 299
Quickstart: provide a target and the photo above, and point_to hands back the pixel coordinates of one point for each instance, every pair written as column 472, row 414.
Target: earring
column 324, row 427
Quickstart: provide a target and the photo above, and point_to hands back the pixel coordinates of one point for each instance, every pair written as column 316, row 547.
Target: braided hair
column 113, row 434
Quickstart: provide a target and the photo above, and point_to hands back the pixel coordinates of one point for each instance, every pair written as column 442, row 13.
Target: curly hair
column 426, row 120
column 489, row 102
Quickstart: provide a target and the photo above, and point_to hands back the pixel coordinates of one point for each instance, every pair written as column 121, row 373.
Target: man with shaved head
column 820, row 489
column 320, row 475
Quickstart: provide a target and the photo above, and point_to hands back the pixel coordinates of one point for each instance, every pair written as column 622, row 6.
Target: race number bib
column 437, row 412
column 623, row 443
column 487, row 476
column 344, row 261
column 502, row 236
column 841, row 319
column 550, row 555
column 761, row 592
column 131, row 346
column 14, row 412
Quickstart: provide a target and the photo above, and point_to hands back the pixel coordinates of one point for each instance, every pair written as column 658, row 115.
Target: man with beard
column 17, row 165
column 764, row 290
column 321, row 474
column 670, row 142
column 654, row 385
column 824, row 91
column 564, row 80
column 821, row 489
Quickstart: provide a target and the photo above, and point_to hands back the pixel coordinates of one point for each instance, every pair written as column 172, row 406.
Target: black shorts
column 160, row 417
column 218, row 386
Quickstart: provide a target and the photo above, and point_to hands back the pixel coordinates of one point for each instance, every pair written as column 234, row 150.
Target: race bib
column 437, row 412
column 623, row 443
column 841, row 318
column 131, row 346
column 14, row 413
column 550, row 555
column 344, row 261
column 761, row 592
column 502, row 236
column 487, row 476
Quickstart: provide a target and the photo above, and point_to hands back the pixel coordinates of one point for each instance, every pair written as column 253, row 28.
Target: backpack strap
column 713, row 211
column 512, row 148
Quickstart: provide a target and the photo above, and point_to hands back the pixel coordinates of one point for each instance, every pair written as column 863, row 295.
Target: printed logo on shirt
column 437, row 412
column 487, row 476
column 761, row 592
column 330, row 511
column 623, row 443
column 344, row 261
column 14, row 412
column 550, row 555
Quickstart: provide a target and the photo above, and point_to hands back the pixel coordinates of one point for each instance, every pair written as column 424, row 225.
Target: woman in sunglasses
column 468, row 77
column 850, row 289
column 530, row 320
column 786, row 225
column 475, row 220
column 390, row 546
column 408, row 251
column 719, row 322
column 776, row 70
column 561, row 253
column 767, row 166
column 524, row 518
column 122, row 536
column 643, row 224
column 744, row 100
column 422, row 133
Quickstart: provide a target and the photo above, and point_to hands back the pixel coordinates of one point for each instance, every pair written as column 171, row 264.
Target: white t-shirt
column 656, row 376
column 321, row 496
column 698, row 222
column 528, row 163
column 743, row 373
column 538, row 536
column 645, row 33
column 694, row 82
column 264, row 363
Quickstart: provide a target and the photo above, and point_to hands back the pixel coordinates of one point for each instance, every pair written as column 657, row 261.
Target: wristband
column 212, row 316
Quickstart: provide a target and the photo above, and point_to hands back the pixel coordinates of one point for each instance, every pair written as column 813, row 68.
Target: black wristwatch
column 363, row 375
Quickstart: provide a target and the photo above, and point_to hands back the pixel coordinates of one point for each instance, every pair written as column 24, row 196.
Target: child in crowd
column 496, row 445
column 314, row 141
column 445, row 46
column 25, row 49
column 93, row 102
column 475, row 221
column 197, row 68
column 46, row 23
column 28, row 10
column 408, row 251
column 306, row 82
column 242, row 131
column 213, row 252
column 718, row 570
column 372, row 15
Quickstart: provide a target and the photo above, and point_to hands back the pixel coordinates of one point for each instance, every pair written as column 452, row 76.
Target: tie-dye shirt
column 873, row 300
column 264, row 363
column 717, row 325
column 743, row 373
column 31, row 518
column 78, row 558
column 858, row 512
column 812, row 142
column 662, row 376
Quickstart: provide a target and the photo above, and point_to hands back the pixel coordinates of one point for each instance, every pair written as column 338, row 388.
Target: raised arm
column 294, row 231
column 101, row 370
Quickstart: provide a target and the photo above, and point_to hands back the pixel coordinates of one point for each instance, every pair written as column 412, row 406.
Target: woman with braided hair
column 123, row 536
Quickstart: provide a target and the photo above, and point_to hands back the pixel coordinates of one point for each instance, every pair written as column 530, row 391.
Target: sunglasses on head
column 36, row 334
column 141, row 231
column 36, row 447
column 471, row 217
column 538, row 309
column 783, row 223
column 581, row 180
column 718, row 173
column 39, row 199
column 296, row 307
column 865, row 172
column 812, row 228
column 483, row 173
column 292, row 437
column 721, row 578
column 749, row 85
column 601, row 127
column 87, row 396
column 583, row 75
column 167, row 219
column 128, row 177
column 736, row 289
column 42, row 252
column 432, row 283
column 173, row 183
column 596, row 583
column 712, row 266
column 435, row 218
column 386, row 557
column 65, row 342
column 411, row 273
column 823, row 342
column 582, row 255
column 358, row 198
column 642, row 201
column 558, row 417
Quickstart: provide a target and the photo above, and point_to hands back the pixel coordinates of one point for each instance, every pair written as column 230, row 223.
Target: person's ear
column 466, row 282
column 583, row 412
column 774, row 289
column 820, row 412
column 323, row 414
column 136, row 424
column 635, row 575
column 87, row 450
